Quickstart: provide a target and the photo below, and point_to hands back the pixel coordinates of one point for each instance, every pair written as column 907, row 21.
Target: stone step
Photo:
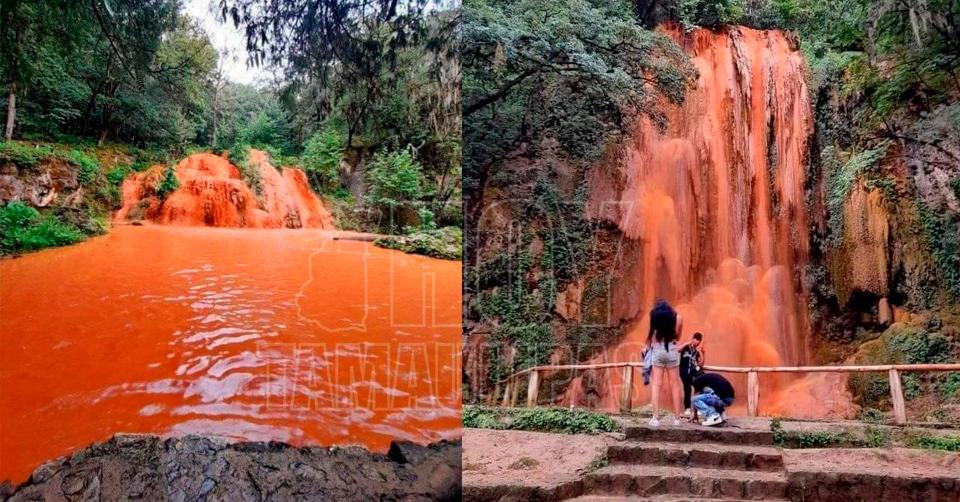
column 652, row 480
column 691, row 433
column 707, row 455
column 664, row 498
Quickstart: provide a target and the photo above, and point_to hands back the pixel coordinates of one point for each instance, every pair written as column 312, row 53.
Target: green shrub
column 872, row 415
column 950, row 386
column 240, row 157
column 920, row 347
column 168, row 184
column 321, row 159
column 876, row 438
column 538, row 419
column 944, row 443
column 89, row 167
column 709, row 13
column 395, row 179
column 562, row 420
column 23, row 228
column 445, row 243
column 427, row 220
column 476, row 417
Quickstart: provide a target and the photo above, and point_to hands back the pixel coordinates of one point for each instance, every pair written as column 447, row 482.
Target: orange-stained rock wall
column 212, row 193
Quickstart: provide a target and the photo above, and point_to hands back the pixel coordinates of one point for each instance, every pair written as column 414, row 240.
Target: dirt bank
column 200, row 468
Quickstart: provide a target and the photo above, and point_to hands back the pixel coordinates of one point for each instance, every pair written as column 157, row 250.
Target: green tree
column 321, row 158
column 578, row 71
column 395, row 179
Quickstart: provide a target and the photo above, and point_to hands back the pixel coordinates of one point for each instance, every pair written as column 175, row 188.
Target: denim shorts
column 665, row 357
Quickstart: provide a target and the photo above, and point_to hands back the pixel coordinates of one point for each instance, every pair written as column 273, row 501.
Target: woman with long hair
column 665, row 328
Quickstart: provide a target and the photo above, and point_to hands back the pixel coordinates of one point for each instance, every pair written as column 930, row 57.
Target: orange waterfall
column 714, row 206
column 212, row 193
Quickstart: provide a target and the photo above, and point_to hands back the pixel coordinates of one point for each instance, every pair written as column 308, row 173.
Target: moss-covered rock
column 445, row 243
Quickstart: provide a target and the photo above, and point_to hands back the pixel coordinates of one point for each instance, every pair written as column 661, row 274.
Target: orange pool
column 250, row 334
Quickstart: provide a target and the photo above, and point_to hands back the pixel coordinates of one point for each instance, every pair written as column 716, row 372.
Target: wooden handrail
column 512, row 382
column 758, row 369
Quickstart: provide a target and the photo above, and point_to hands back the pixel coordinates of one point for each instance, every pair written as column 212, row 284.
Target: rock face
column 45, row 184
column 861, row 262
column 197, row 468
column 212, row 193
column 568, row 301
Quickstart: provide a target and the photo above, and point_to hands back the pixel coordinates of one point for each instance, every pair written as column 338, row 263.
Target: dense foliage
column 135, row 71
column 376, row 84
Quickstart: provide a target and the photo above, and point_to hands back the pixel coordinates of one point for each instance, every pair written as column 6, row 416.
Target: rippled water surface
column 250, row 334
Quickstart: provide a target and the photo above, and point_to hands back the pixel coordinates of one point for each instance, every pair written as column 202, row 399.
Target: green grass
column 872, row 438
column 538, row 419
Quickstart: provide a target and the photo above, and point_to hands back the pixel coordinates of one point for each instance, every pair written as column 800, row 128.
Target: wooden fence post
column 532, row 388
column 753, row 393
column 896, row 394
column 625, row 399
column 516, row 391
column 496, row 394
column 507, row 392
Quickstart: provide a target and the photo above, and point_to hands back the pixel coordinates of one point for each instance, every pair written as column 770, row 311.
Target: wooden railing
column 511, row 384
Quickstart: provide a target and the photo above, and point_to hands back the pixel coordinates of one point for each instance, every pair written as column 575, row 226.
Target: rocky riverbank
column 147, row 467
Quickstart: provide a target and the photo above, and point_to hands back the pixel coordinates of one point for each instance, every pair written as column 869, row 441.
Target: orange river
column 249, row 334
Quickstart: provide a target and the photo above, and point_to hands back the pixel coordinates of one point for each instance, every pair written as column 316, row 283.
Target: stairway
column 689, row 462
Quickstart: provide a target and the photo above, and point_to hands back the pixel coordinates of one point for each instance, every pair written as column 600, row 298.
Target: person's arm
column 703, row 356
column 679, row 327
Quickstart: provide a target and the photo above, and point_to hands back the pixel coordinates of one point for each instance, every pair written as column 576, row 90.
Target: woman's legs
column 656, row 381
column 676, row 391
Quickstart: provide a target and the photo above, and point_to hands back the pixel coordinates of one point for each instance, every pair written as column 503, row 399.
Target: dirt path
column 523, row 458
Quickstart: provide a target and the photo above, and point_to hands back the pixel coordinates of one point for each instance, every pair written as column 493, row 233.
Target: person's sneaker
column 713, row 420
column 654, row 422
column 687, row 413
column 676, row 421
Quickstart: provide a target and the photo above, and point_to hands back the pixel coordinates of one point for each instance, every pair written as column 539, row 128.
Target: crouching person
column 714, row 394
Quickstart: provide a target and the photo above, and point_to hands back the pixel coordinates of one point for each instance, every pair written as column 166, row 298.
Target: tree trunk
column 11, row 112
column 216, row 94
column 104, row 124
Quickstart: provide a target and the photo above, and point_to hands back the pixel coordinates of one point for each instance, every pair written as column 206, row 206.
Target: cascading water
column 715, row 205
column 212, row 193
